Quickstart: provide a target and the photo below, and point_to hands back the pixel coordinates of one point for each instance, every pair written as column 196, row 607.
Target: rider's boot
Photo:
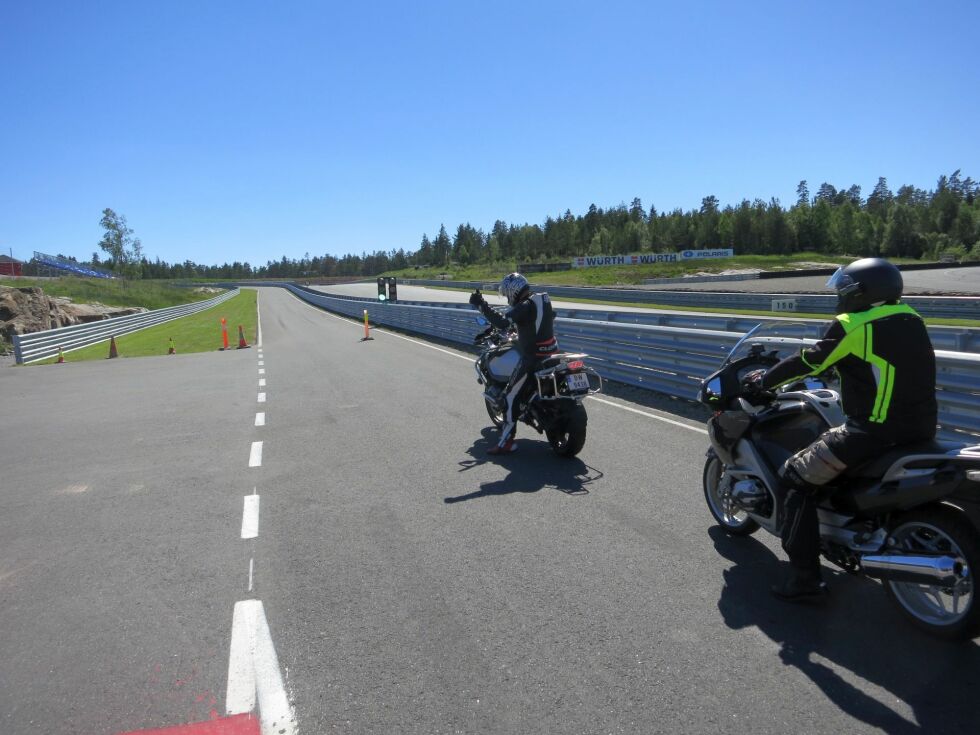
column 799, row 585
column 801, row 540
column 507, row 443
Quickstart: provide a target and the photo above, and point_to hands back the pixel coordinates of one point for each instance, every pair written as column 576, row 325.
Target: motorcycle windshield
column 783, row 338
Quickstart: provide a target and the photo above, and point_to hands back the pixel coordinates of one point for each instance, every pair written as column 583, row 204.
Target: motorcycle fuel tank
column 502, row 365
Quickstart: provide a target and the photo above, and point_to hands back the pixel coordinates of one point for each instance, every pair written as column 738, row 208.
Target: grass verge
column 199, row 332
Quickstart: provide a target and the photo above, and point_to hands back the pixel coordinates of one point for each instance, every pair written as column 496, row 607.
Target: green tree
column 880, row 200
column 965, row 227
column 901, row 237
column 821, row 217
column 827, row 193
column 636, row 211
column 125, row 251
column 778, row 233
column 441, row 248
column 802, row 194
column 708, row 234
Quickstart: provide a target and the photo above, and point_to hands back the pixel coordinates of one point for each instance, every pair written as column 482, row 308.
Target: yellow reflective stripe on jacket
column 858, row 341
column 852, row 321
column 884, row 373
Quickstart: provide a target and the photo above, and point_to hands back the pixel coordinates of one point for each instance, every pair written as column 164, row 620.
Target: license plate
column 577, row 381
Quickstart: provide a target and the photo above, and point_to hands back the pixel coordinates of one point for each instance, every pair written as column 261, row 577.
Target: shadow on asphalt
column 860, row 630
column 533, row 467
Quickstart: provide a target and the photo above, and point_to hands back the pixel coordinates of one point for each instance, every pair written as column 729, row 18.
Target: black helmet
column 865, row 283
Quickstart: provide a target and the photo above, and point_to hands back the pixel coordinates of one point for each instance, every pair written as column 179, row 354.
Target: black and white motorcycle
column 552, row 404
column 910, row 517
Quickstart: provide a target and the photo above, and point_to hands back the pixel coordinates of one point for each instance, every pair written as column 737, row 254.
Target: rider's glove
column 752, row 382
column 476, row 298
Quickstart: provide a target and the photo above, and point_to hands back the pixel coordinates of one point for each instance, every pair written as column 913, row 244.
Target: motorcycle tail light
column 576, row 365
column 973, row 475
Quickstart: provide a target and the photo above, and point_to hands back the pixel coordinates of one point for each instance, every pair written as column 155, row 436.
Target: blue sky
column 247, row 131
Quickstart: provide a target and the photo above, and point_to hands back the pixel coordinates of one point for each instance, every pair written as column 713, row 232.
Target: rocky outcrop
column 25, row 310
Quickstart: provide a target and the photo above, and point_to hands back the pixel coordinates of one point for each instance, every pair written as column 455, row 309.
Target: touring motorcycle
column 910, row 517
column 552, row 404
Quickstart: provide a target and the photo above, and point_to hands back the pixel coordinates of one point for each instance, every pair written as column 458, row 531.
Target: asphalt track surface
column 410, row 583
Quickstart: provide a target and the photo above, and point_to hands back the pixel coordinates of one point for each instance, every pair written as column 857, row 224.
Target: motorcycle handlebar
column 492, row 334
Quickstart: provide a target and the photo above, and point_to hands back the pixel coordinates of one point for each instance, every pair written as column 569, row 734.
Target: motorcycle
column 552, row 403
column 910, row 517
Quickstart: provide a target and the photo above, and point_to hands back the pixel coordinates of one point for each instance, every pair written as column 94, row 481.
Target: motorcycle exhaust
column 941, row 570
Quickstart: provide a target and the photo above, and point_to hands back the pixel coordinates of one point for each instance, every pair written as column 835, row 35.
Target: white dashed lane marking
column 261, row 397
column 260, row 418
column 255, row 457
column 250, row 517
column 253, row 671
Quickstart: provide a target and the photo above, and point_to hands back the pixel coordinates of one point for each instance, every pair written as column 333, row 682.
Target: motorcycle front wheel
column 496, row 413
column 951, row 612
column 733, row 520
column 568, row 436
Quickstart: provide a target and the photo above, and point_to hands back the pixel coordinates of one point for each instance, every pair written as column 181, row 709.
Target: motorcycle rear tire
column 939, row 529
column 568, row 436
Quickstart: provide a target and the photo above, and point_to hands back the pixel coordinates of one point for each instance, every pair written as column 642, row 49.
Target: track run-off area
column 308, row 537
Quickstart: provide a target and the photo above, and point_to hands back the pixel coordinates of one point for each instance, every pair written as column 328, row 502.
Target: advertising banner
column 591, row 261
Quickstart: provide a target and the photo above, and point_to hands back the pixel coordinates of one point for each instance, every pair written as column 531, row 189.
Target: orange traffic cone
column 173, row 348
column 242, row 344
column 113, row 352
column 61, row 357
column 224, row 334
column 367, row 334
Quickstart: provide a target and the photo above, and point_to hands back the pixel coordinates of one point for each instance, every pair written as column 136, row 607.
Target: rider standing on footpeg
column 887, row 368
column 534, row 318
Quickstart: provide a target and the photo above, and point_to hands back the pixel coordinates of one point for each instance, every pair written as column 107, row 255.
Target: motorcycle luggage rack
column 548, row 382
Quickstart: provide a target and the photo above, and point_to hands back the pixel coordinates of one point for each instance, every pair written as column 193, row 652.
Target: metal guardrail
column 40, row 345
column 667, row 359
column 953, row 339
column 949, row 307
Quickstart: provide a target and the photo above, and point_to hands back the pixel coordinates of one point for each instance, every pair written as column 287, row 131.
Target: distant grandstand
column 55, row 263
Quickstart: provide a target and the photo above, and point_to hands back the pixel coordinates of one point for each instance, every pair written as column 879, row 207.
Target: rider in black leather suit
column 534, row 318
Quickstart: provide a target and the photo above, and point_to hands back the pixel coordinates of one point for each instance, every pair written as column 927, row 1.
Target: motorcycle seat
column 880, row 465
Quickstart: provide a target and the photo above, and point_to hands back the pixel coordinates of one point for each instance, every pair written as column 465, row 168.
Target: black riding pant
column 805, row 472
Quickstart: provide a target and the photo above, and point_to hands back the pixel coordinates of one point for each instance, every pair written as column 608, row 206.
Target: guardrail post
column 18, row 355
